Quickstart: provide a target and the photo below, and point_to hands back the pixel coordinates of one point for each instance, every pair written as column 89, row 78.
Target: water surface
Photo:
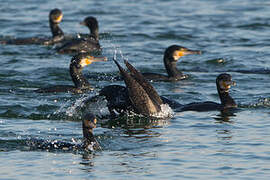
column 234, row 38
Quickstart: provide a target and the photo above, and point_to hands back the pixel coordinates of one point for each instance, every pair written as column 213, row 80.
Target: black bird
column 89, row 142
column 139, row 96
column 78, row 62
column 87, row 44
column 223, row 83
column 55, row 17
column 144, row 98
column 171, row 55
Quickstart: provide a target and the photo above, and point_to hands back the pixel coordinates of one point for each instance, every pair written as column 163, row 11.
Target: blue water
column 234, row 38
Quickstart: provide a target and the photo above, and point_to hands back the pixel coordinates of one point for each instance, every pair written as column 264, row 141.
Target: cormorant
column 140, row 97
column 87, row 44
column 89, row 142
column 55, row 17
column 78, row 62
column 223, row 83
column 171, row 55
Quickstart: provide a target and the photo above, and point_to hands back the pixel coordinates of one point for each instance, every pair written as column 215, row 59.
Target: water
column 234, row 38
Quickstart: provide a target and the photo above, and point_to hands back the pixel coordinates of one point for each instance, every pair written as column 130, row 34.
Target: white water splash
column 166, row 112
column 60, row 110
column 122, row 55
column 99, row 108
column 72, row 110
column 263, row 102
column 114, row 48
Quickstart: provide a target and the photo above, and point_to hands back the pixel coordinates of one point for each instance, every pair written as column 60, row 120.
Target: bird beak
column 188, row 51
column 59, row 18
column 83, row 23
column 178, row 54
column 95, row 121
column 227, row 84
column 233, row 83
column 89, row 59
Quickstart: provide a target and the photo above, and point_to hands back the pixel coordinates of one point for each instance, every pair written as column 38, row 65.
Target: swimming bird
column 139, row 96
column 144, row 98
column 171, row 56
column 223, row 83
column 87, row 44
column 78, row 62
column 55, row 17
column 89, row 142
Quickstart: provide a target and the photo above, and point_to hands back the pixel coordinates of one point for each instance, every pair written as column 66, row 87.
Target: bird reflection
column 224, row 133
column 87, row 159
column 142, row 133
column 225, row 116
column 135, row 121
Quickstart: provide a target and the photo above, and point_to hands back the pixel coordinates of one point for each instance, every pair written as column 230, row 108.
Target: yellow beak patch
column 178, row 54
column 86, row 61
column 225, row 85
column 59, row 18
column 89, row 59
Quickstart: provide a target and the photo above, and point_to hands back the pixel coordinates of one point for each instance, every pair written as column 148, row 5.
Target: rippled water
column 234, row 38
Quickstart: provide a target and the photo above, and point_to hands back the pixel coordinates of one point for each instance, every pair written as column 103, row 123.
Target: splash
column 122, row 55
column 59, row 112
column 54, row 145
column 166, row 112
column 262, row 103
column 117, row 52
column 94, row 104
column 72, row 110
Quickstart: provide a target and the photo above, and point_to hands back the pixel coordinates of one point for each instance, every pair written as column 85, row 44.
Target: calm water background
column 234, row 38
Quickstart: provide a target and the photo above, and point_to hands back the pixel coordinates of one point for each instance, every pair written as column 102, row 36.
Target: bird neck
column 171, row 68
column 94, row 33
column 56, row 30
column 77, row 77
column 89, row 141
column 226, row 100
column 88, row 134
